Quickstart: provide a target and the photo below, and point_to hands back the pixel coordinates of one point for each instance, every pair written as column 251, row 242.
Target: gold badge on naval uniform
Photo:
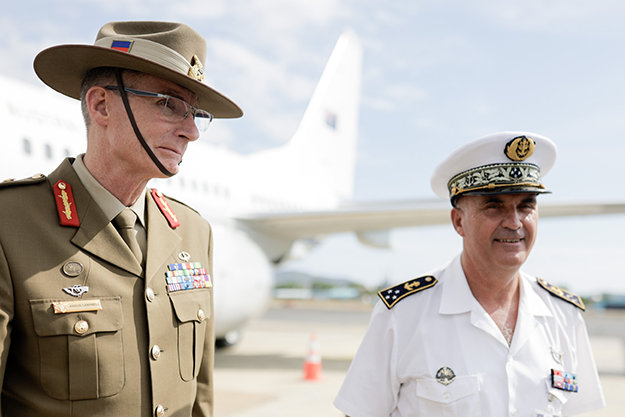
column 392, row 295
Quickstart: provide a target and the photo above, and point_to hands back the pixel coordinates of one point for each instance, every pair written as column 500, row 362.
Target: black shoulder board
column 35, row 179
column 574, row 299
column 392, row 295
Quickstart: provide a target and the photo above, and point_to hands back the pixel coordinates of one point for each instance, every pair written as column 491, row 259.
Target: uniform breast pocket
column 192, row 309
column 80, row 353
column 556, row 398
column 460, row 398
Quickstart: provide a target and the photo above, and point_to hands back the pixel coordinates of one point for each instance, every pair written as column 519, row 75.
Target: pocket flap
column 47, row 323
column 561, row 395
column 187, row 304
column 461, row 387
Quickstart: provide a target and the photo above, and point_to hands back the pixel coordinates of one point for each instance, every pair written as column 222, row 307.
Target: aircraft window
column 227, row 192
column 194, row 185
column 67, row 153
column 48, row 151
column 27, row 148
column 206, row 188
column 181, row 182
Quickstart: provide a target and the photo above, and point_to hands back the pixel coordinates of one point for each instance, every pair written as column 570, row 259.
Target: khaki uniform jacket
column 48, row 368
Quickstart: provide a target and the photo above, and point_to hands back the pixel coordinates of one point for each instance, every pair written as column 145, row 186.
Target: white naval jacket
column 394, row 371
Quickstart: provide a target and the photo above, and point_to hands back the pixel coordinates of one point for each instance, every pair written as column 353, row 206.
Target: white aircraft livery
column 265, row 207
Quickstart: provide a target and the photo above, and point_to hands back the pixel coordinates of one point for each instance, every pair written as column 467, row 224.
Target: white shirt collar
column 530, row 301
column 457, row 297
column 109, row 204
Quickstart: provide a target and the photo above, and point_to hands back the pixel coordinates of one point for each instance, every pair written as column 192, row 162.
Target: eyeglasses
column 174, row 108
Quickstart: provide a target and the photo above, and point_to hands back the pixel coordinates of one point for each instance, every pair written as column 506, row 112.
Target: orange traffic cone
column 312, row 363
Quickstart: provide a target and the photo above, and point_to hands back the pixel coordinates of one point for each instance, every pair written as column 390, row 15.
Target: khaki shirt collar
column 109, row 204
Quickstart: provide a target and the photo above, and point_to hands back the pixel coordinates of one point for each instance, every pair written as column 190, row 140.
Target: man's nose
column 512, row 220
column 188, row 128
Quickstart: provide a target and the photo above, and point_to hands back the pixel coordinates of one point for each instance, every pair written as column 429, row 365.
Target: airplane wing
column 362, row 218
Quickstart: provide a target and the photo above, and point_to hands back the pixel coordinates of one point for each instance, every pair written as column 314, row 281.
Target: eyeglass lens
column 179, row 109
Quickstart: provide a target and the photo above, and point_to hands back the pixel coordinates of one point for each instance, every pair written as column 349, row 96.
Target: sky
column 436, row 74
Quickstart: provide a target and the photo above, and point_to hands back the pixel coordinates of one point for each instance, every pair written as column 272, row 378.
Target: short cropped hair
column 100, row 76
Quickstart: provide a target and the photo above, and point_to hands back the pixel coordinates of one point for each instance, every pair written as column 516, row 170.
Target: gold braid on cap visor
column 491, row 177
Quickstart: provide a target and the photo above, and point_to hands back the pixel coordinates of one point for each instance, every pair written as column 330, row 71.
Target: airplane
column 265, row 208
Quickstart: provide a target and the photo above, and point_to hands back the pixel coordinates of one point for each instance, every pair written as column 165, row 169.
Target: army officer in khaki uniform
column 106, row 286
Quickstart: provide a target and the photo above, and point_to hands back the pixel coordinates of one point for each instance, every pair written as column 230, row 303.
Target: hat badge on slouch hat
column 172, row 51
column 501, row 163
column 197, row 69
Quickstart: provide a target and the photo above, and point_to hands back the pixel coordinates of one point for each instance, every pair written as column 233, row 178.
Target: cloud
column 262, row 85
column 580, row 17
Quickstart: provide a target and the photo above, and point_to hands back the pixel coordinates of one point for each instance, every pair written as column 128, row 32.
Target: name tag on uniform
column 62, row 307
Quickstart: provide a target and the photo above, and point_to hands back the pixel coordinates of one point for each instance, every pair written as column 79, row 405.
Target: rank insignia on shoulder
column 574, row 299
column 162, row 204
column 65, row 204
column 392, row 295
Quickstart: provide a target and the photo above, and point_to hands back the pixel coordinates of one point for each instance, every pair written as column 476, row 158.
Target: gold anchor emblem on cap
column 520, row 148
column 197, row 69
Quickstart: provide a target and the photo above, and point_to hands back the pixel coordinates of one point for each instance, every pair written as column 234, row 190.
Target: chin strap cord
column 131, row 117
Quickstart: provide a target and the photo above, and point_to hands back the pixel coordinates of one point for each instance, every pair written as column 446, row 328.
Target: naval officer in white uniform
column 479, row 337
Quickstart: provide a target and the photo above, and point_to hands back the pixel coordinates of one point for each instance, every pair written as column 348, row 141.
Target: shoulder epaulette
column 392, row 295
column 574, row 299
column 35, row 179
column 182, row 203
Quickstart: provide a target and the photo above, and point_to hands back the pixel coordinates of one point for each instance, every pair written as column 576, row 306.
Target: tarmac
column 263, row 375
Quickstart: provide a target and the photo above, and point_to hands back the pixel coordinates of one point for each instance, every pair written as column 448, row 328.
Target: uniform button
column 81, row 326
column 160, row 411
column 201, row 315
column 446, row 395
column 156, row 352
column 149, row 294
column 513, row 412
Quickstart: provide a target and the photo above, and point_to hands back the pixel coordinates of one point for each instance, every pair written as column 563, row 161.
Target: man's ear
column 97, row 103
column 457, row 219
